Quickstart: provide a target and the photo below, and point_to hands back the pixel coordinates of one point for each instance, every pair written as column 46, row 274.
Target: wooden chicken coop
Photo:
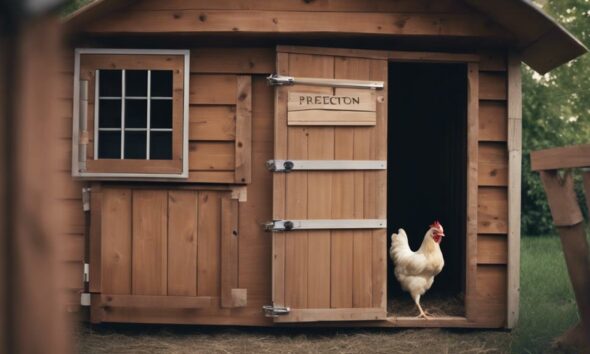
column 243, row 162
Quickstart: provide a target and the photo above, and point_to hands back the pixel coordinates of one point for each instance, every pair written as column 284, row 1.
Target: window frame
column 77, row 163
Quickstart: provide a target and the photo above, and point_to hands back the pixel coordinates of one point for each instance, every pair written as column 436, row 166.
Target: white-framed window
column 131, row 113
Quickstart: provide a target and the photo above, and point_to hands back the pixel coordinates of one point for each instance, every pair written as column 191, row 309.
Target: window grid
column 123, row 98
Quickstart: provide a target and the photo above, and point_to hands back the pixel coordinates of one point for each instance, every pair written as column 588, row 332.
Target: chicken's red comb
column 436, row 225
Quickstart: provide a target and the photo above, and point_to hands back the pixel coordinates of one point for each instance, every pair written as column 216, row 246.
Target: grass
column 547, row 305
column 547, row 309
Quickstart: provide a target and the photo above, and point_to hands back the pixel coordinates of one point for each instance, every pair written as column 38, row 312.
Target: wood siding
column 492, row 213
column 382, row 17
column 215, row 94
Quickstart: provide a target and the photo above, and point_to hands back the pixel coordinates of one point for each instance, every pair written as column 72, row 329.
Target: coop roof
column 543, row 43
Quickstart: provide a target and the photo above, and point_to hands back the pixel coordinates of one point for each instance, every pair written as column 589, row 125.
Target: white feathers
column 415, row 270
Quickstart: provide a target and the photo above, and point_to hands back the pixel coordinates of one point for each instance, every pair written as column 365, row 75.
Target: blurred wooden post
column 569, row 222
column 31, row 317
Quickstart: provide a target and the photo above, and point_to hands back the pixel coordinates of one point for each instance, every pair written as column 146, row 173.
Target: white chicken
column 416, row 270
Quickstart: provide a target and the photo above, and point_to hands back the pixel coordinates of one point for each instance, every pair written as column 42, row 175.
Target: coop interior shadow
column 427, row 163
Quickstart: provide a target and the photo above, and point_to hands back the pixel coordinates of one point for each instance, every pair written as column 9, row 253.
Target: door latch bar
column 282, row 80
column 293, row 225
column 272, row 311
column 324, row 165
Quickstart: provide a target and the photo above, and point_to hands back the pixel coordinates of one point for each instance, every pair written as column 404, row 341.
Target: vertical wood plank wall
column 215, row 115
column 221, row 88
column 492, row 241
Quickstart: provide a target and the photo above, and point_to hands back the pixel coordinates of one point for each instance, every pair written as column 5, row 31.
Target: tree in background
column 74, row 5
column 556, row 112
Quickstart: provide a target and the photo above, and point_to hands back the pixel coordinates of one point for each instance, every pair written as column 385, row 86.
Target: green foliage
column 74, row 5
column 556, row 112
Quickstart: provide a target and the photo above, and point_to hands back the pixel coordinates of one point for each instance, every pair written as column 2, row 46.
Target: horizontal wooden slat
column 72, row 248
column 492, row 249
column 66, row 187
column 213, row 89
column 150, row 302
column 381, row 54
column 493, row 164
column 71, row 277
column 64, row 129
column 210, row 156
column 492, row 281
column 332, row 118
column 233, row 60
column 315, row 315
column 434, row 322
column 212, row 123
column 563, row 157
column 492, row 61
column 64, row 155
column 492, row 85
column 211, row 176
column 71, row 219
column 64, row 106
column 493, row 121
column 492, row 210
column 235, row 21
column 317, row 5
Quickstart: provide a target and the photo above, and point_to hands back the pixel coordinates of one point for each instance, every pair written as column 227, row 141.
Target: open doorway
column 427, row 163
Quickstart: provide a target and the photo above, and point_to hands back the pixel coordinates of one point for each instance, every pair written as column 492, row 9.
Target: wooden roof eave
column 543, row 43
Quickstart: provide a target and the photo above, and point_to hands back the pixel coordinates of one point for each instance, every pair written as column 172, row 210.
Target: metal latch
column 280, row 166
column 280, row 80
column 86, row 199
column 279, row 225
column 271, row 311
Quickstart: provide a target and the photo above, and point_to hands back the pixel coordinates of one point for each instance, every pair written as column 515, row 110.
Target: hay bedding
column 130, row 339
column 436, row 305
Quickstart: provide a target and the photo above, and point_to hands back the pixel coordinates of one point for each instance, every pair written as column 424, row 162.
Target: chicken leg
column 423, row 314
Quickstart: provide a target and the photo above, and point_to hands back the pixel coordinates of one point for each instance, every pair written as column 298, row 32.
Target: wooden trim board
column 514, row 186
column 146, row 301
column 561, row 157
column 472, row 188
column 345, row 314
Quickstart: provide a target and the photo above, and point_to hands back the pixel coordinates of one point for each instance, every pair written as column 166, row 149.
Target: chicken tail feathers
column 399, row 242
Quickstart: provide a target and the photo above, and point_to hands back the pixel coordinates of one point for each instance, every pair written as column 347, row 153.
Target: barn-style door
column 329, row 185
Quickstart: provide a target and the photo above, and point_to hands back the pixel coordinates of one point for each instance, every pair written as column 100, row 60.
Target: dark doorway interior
column 427, row 163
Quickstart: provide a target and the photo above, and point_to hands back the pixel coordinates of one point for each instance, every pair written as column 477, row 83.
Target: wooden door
column 161, row 249
column 334, row 268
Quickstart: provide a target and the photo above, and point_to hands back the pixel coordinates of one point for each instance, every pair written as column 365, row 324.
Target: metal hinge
column 272, row 311
column 85, row 296
column 281, row 80
column 86, row 199
column 327, row 224
column 86, row 275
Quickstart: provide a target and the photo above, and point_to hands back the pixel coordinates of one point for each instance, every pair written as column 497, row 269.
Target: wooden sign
column 354, row 107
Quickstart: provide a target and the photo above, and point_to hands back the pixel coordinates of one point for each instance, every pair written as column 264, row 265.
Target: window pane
column 136, row 83
column 161, row 114
column 135, row 113
column 161, row 146
column 135, row 145
column 109, row 112
column 110, row 83
column 162, row 83
column 109, row 145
